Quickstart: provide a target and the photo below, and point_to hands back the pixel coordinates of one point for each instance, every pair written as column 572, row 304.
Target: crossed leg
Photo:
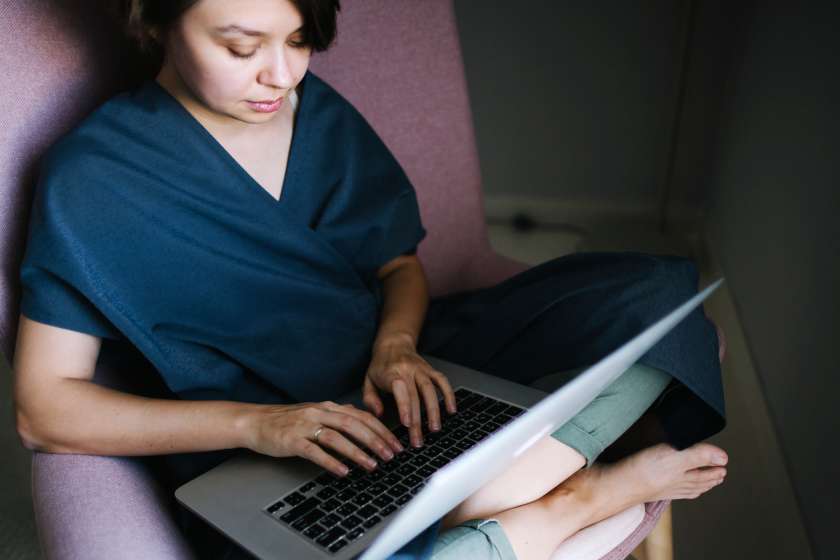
column 547, row 495
column 535, row 527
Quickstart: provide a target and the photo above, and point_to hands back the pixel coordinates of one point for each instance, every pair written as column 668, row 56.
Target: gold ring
column 317, row 433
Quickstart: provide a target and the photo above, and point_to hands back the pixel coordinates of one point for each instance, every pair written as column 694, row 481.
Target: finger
column 400, row 391
column 427, row 389
column 377, row 426
column 445, row 388
column 348, row 423
column 416, row 429
column 311, row 451
column 371, row 398
column 334, row 440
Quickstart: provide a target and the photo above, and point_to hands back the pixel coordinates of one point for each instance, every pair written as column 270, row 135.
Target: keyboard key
column 351, row 522
column 383, row 500
column 341, row 483
column 377, row 489
column 346, row 510
column 294, row 499
column 331, row 536
column 451, row 453
column 397, row 490
column 426, row 472
column 367, row 511
column 417, row 488
column 338, row 545
column 307, row 519
column 355, row 474
column 300, row 510
column 345, row 495
column 355, row 534
column 405, row 469
column 361, row 484
column 483, row 404
column 376, row 475
column 497, row 408
column 412, row 480
column 388, row 510
column 439, row 462
column 314, row 531
column 325, row 493
column 372, row 521
column 418, row 461
column 362, row 499
column 483, row 418
column 307, row 487
column 330, row 505
column 275, row 506
column 330, row 521
column 403, row 499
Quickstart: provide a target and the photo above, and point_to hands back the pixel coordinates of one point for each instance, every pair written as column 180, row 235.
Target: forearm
column 405, row 301
column 81, row 417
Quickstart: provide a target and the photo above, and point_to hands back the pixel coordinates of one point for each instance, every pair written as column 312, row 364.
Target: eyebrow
column 227, row 29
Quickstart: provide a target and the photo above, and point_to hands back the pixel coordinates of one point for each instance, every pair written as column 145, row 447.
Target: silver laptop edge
column 456, row 481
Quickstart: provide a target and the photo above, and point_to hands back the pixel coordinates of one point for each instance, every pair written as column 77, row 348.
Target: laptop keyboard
column 332, row 512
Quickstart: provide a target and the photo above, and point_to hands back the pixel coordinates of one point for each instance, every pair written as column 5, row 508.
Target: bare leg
column 537, row 471
column 536, row 529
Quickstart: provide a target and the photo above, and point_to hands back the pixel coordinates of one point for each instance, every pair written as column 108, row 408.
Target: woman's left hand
column 397, row 368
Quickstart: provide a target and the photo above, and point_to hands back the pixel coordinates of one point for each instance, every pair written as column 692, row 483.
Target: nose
column 276, row 72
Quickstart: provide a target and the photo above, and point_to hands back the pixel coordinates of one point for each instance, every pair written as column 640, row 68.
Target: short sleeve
column 404, row 230
column 48, row 299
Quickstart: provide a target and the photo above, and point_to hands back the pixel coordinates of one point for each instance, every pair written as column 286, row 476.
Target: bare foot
column 656, row 473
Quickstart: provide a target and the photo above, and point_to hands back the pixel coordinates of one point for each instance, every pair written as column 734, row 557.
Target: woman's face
column 238, row 58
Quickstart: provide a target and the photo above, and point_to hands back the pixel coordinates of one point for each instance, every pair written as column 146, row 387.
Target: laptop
column 292, row 508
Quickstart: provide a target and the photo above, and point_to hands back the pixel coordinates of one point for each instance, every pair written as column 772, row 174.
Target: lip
column 267, row 106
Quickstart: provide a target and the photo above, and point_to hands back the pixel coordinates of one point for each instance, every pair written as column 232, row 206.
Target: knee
column 673, row 277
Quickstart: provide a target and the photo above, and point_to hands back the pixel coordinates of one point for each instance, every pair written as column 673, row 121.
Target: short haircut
column 146, row 20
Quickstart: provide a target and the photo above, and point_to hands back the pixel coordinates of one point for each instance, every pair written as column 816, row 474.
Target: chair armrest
column 488, row 268
column 102, row 507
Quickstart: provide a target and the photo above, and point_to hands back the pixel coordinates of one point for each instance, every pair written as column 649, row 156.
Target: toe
column 706, row 474
column 704, row 454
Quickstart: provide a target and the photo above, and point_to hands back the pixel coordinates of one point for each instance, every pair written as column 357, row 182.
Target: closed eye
column 237, row 54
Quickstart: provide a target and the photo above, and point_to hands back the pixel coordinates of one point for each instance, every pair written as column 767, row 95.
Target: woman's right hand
column 289, row 430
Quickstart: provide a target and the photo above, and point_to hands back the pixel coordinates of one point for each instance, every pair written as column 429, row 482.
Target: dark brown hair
column 147, row 20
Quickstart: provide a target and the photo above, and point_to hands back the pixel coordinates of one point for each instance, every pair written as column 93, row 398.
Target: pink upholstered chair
column 399, row 63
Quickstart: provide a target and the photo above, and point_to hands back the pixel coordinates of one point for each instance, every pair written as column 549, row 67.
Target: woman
column 240, row 224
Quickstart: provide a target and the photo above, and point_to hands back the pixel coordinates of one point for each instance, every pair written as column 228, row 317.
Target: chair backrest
column 60, row 59
column 398, row 62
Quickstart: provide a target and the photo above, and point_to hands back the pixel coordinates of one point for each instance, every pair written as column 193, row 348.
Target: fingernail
column 371, row 463
column 400, row 447
column 436, row 426
column 720, row 460
column 388, row 454
column 344, row 471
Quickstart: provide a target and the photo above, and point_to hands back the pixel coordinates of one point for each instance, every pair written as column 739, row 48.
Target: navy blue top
column 145, row 227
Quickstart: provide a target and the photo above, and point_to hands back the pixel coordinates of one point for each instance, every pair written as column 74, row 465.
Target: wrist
column 246, row 423
column 394, row 339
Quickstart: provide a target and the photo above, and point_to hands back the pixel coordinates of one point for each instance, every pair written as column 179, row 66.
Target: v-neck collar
column 297, row 150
